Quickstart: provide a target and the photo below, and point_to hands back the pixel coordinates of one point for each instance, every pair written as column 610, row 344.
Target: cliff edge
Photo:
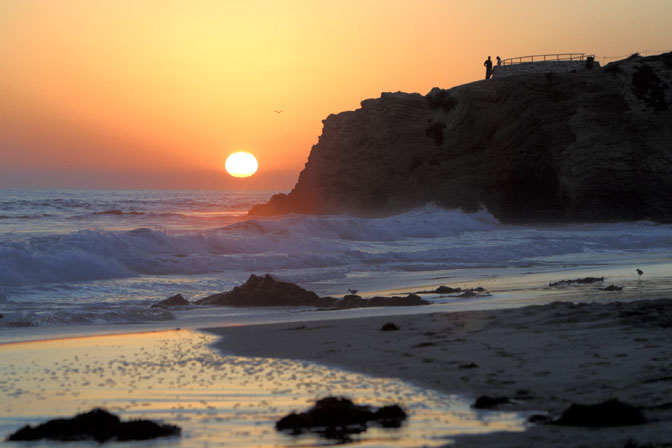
column 584, row 146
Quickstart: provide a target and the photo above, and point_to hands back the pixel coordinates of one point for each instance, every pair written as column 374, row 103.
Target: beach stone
column 389, row 326
column 352, row 301
column 608, row 413
column 447, row 290
column 468, row 294
column 339, row 416
column 487, row 402
column 539, row 418
column 584, row 280
column 176, row 300
column 613, row 288
column 391, row 416
column 441, row 290
column 266, row 291
column 469, row 365
column 98, row 425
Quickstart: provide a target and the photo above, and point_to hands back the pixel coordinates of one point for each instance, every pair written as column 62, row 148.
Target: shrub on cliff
column 442, row 99
column 647, row 86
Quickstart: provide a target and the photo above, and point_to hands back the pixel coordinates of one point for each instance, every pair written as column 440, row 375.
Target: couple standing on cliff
column 488, row 67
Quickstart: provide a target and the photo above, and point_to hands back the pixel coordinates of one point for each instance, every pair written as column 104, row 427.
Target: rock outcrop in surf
column 173, row 301
column 267, row 291
column 585, row 146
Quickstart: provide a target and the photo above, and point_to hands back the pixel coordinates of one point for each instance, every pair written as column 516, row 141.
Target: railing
column 547, row 57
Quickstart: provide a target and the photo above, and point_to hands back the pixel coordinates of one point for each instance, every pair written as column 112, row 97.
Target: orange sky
column 157, row 93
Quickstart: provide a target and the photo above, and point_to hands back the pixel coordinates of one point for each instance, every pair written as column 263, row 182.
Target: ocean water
column 88, row 261
column 77, row 263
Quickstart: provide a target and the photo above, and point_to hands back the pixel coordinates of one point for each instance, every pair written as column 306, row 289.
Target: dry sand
column 546, row 357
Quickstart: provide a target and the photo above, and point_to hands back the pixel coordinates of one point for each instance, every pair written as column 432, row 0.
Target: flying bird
column 353, row 291
column 278, row 111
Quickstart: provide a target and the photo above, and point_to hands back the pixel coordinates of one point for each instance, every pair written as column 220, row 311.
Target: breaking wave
column 427, row 238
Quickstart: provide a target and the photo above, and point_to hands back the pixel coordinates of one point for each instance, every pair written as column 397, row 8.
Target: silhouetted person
column 499, row 61
column 488, row 68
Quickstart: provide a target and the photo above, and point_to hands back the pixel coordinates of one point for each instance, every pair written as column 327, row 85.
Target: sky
column 157, row 93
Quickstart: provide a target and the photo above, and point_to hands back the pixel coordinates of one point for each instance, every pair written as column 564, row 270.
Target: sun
column 241, row 164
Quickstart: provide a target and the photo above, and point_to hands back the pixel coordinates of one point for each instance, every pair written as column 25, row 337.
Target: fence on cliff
column 569, row 57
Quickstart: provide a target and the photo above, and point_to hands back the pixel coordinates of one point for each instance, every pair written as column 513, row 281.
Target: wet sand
column 176, row 376
column 543, row 357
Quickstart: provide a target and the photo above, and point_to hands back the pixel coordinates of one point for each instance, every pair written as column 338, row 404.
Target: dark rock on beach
column 475, row 292
column 582, row 281
column 587, row 146
column 389, row 326
column 1, row 316
column 608, row 413
column 353, row 301
column 337, row 416
column 176, row 300
column 98, row 425
column 447, row 290
column 469, row 365
column 613, row 288
column 487, row 402
column 468, row 294
column 539, row 418
column 441, row 290
column 266, row 291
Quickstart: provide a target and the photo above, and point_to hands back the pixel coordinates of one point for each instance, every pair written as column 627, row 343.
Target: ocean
column 78, row 262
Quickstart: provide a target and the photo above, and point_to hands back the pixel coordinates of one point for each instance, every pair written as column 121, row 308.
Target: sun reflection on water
column 175, row 376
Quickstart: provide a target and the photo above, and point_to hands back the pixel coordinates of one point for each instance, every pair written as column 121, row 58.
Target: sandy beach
column 543, row 358
column 231, row 385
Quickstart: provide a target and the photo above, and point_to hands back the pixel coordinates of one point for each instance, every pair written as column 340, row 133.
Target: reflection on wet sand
column 176, row 377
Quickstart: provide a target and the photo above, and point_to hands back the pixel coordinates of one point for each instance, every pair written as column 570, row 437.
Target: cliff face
column 591, row 145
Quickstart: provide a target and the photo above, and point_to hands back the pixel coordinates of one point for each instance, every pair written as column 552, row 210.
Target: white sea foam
column 428, row 238
column 87, row 316
column 87, row 257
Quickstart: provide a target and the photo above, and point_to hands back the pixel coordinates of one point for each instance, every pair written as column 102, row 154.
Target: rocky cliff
column 591, row 145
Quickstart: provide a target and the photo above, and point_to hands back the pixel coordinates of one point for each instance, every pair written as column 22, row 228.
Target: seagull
column 278, row 111
column 353, row 291
column 640, row 272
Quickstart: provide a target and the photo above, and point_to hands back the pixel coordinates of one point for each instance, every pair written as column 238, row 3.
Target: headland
column 590, row 145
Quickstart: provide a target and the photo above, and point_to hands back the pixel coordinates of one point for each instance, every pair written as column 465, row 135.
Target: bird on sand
column 640, row 272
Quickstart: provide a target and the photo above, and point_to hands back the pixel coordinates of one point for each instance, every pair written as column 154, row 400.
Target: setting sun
column 241, row 164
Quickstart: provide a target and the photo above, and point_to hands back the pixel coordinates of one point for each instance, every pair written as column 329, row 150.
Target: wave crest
column 429, row 238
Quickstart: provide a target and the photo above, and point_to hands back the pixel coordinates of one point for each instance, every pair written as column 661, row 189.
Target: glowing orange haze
column 132, row 93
